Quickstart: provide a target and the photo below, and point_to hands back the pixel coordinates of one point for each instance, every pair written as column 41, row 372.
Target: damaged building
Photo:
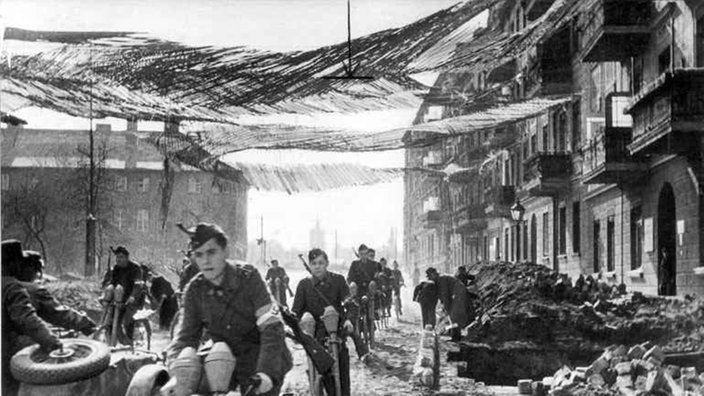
column 573, row 140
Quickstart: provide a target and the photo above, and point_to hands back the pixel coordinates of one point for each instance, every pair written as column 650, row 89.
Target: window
column 485, row 256
column 194, row 185
column 664, row 60
column 563, row 230
column 497, row 249
column 142, row 220
column 576, row 125
column 546, row 233
column 637, row 235
column 118, row 219
column 610, row 248
column 546, row 138
column 638, row 66
column 700, row 41
column 518, row 242
column 525, row 240
column 506, row 244
column 5, row 182
column 576, row 228
column 121, row 183
column 597, row 246
column 143, row 184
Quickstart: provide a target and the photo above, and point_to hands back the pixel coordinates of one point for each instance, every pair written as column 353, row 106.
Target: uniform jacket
column 362, row 273
column 55, row 313
column 19, row 318
column 397, row 278
column 277, row 273
column 240, row 313
column 335, row 290
column 127, row 277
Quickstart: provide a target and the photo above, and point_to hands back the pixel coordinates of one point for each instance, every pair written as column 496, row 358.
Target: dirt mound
column 529, row 302
column 79, row 294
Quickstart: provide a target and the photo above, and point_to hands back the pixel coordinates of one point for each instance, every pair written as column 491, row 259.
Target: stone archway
column 667, row 242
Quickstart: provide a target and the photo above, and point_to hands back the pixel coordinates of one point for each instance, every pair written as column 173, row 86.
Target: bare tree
column 28, row 204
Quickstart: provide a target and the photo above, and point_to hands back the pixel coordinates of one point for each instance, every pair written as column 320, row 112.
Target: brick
column 636, row 352
column 655, row 352
column 623, row 368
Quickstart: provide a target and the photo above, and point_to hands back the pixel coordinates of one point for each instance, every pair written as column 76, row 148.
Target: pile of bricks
column 623, row 371
column 529, row 302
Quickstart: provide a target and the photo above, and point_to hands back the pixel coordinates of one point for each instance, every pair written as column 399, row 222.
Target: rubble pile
column 81, row 295
column 623, row 371
column 531, row 303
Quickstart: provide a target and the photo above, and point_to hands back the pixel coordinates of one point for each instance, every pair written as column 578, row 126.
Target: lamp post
column 517, row 213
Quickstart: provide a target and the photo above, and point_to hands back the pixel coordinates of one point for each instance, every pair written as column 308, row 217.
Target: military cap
column 12, row 251
column 362, row 247
column 430, row 271
column 202, row 233
column 120, row 250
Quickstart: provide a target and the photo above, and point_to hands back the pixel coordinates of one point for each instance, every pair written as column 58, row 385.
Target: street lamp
column 517, row 212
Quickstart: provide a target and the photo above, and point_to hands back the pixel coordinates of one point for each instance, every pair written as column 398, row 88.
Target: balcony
column 606, row 159
column 432, row 218
column 550, row 73
column 547, row 174
column 668, row 114
column 469, row 217
column 616, row 30
column 499, row 200
column 606, row 156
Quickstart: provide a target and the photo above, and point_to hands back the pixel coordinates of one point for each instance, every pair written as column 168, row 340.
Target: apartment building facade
column 610, row 180
column 139, row 205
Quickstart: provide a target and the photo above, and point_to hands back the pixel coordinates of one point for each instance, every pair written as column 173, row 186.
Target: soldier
column 455, row 299
column 19, row 318
column 230, row 302
column 426, row 294
column 278, row 282
column 129, row 275
column 385, row 280
column 463, row 276
column 363, row 270
column 313, row 294
column 398, row 282
column 48, row 308
column 190, row 270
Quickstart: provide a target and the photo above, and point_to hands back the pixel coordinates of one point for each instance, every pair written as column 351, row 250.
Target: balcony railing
column 616, row 30
column 607, row 160
column 668, row 113
column 547, row 174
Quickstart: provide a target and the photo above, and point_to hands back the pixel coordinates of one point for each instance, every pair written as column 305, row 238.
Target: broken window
column 142, row 220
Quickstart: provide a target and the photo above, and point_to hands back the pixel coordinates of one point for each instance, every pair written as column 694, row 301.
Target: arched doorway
column 667, row 241
column 533, row 239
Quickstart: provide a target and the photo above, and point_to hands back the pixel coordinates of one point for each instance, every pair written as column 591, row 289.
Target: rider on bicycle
column 314, row 295
column 128, row 274
column 397, row 283
column 363, row 270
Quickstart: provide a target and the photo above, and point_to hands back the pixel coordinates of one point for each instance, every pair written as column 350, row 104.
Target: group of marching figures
column 330, row 308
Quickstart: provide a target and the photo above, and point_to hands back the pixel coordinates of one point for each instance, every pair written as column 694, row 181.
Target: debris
column 633, row 376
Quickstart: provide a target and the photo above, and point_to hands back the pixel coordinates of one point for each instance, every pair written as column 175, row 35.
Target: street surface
column 389, row 370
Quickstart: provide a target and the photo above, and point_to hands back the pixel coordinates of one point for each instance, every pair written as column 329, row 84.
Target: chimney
column 170, row 126
column 103, row 128
column 132, row 125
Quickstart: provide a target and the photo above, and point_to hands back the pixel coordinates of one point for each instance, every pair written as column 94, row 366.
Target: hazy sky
column 364, row 214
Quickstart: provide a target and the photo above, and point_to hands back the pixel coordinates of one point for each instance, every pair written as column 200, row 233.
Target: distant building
column 317, row 236
column 44, row 171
